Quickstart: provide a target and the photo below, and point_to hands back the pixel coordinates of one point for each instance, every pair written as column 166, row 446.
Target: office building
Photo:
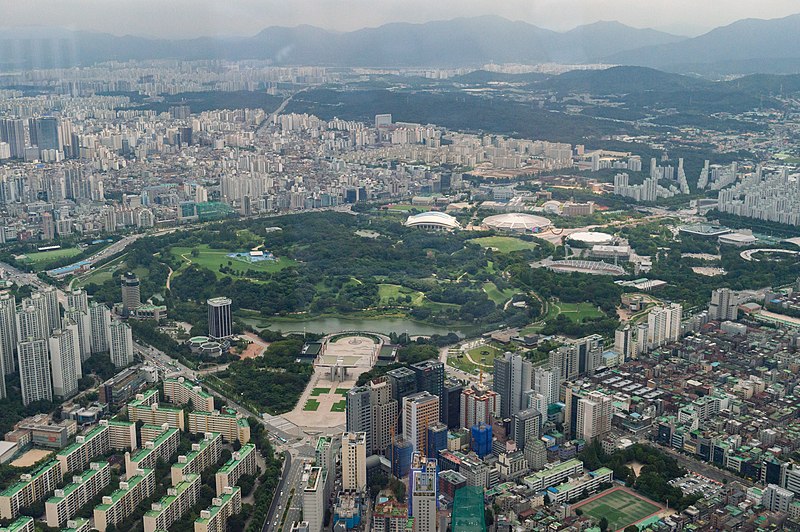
column 161, row 447
column 384, row 415
column 594, row 416
column 776, row 499
column 65, row 360
column 479, row 404
column 219, row 318
column 121, row 348
column 325, row 454
column 664, row 325
column 512, row 377
column 67, row 501
column 437, row 439
column 354, row 461
column 44, row 133
column 423, row 496
column 29, row 489
column 525, row 424
column 215, row 518
column 481, row 439
column 420, row 410
column 724, row 305
column 100, row 322
column 314, row 501
column 116, row 507
column 8, row 334
column 231, row 425
column 180, row 392
column 131, row 296
column 451, row 403
column 390, row 516
column 242, row 462
column 175, row 504
column 430, row 378
column 203, row 455
column 359, row 415
column 404, row 383
column 34, row 371
column 547, row 382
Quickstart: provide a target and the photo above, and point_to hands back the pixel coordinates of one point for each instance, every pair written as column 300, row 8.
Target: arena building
column 433, row 220
column 516, row 222
column 590, row 238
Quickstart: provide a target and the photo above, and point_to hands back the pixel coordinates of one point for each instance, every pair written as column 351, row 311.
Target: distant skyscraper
column 65, row 360
column 100, row 320
column 121, row 347
column 8, row 332
column 44, row 133
column 48, row 226
column 219, row 318
column 131, row 297
column 384, row 120
column 419, row 411
column 430, row 378
column 451, row 403
column 46, row 300
column 12, row 131
column 512, row 377
column 724, row 305
column 354, row 461
column 34, row 371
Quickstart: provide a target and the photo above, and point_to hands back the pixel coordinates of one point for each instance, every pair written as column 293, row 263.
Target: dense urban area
column 530, row 296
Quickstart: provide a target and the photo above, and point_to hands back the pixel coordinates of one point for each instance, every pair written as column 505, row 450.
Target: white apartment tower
column 65, row 360
column 121, row 344
column 8, row 332
column 100, row 320
column 664, row 325
column 34, row 370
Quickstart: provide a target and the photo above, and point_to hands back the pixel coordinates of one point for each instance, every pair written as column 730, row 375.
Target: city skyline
column 241, row 18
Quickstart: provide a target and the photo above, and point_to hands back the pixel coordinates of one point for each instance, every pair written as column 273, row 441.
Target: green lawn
column 102, row 273
column 319, row 391
column 340, row 406
column 495, row 294
column 579, row 311
column 214, row 258
column 41, row 260
column 486, row 360
column 503, row 244
column 342, row 391
column 391, row 292
column 620, row 507
column 311, row 405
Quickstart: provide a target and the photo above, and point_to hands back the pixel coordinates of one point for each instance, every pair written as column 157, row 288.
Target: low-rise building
column 66, row 502
column 242, row 462
column 86, row 447
column 554, row 475
column 215, row 518
column 177, row 502
column 30, row 488
column 147, row 409
column 588, row 483
column 23, row 524
column 120, row 504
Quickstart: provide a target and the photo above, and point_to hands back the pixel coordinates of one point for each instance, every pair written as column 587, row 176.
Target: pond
column 329, row 325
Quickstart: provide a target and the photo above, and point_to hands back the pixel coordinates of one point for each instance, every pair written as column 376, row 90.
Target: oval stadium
column 517, row 222
column 590, row 238
column 433, row 220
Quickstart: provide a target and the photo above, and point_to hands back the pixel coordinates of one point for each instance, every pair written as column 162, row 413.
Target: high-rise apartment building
column 78, row 299
column 664, row 325
column 479, row 404
column 8, row 332
column 594, row 416
column 724, row 305
column 219, row 318
column 65, row 360
column 512, row 377
column 12, row 131
column 419, row 411
column 525, row 425
column 121, row 348
column 84, row 324
column 34, row 370
column 30, row 322
column 624, row 343
column 100, row 324
column 547, row 381
column 354, row 461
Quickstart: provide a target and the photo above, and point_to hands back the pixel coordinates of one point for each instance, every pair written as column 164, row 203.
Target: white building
column 354, row 461
column 100, row 321
column 34, row 371
column 65, row 360
column 121, row 344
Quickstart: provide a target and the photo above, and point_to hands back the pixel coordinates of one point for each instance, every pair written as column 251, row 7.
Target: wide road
column 280, row 488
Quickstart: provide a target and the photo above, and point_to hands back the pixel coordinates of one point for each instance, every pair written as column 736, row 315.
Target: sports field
column 620, row 506
column 504, row 244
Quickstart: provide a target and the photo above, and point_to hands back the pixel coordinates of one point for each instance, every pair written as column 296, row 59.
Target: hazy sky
column 191, row 18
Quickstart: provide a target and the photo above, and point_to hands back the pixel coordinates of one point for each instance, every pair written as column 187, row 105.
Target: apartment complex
column 231, row 426
column 154, row 413
column 164, row 446
column 203, row 455
column 180, row 392
column 120, row 504
column 66, row 502
column 242, row 462
column 215, row 518
column 86, row 447
column 178, row 500
column 30, row 488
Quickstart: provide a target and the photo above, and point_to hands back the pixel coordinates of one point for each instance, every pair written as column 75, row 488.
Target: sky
column 194, row 18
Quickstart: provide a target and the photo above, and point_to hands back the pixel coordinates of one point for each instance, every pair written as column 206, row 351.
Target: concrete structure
column 419, row 411
column 433, row 220
column 203, row 455
column 664, row 325
column 122, row 502
column 554, row 474
column 525, row 424
column 177, row 502
column 314, row 503
column 512, row 377
column 588, row 483
column 215, row 518
column 594, row 416
column 66, row 502
column 34, row 370
column 354, row 461
column 121, row 347
column 180, row 391
column 86, row 447
column 147, row 409
column 131, row 296
column 30, row 488
column 724, row 305
column 100, row 321
column 22, row 524
column 242, row 462
column 230, row 425
column 479, row 404
column 65, row 360
column 515, row 222
column 164, row 446
column 423, row 496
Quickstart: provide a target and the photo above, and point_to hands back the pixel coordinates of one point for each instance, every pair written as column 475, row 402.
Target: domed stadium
column 433, row 220
column 590, row 238
column 517, row 222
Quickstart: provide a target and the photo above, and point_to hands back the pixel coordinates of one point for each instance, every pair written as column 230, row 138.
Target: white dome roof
column 516, row 221
column 591, row 237
column 433, row 218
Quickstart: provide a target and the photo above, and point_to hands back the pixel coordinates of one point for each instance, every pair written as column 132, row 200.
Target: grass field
column 578, row 311
column 620, row 506
column 319, row 391
column 486, row 361
column 340, row 406
column 42, row 259
column 342, row 391
column 311, row 405
column 390, row 292
column 214, row 258
column 102, row 273
column 495, row 294
column 503, row 244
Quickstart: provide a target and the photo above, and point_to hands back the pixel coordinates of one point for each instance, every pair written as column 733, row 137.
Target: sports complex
column 620, row 506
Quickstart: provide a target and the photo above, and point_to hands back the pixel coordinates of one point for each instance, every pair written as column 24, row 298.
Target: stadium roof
column 516, row 221
column 433, row 219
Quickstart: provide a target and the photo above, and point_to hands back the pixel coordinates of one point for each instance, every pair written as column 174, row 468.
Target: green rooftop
column 20, row 484
column 167, row 500
column 17, row 525
column 79, row 523
column 204, row 443
column 214, row 509
column 189, row 386
column 243, row 452
column 66, row 451
column 134, row 481
column 156, row 444
column 85, row 476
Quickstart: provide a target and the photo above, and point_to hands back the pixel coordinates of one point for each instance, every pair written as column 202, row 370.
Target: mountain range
column 745, row 46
